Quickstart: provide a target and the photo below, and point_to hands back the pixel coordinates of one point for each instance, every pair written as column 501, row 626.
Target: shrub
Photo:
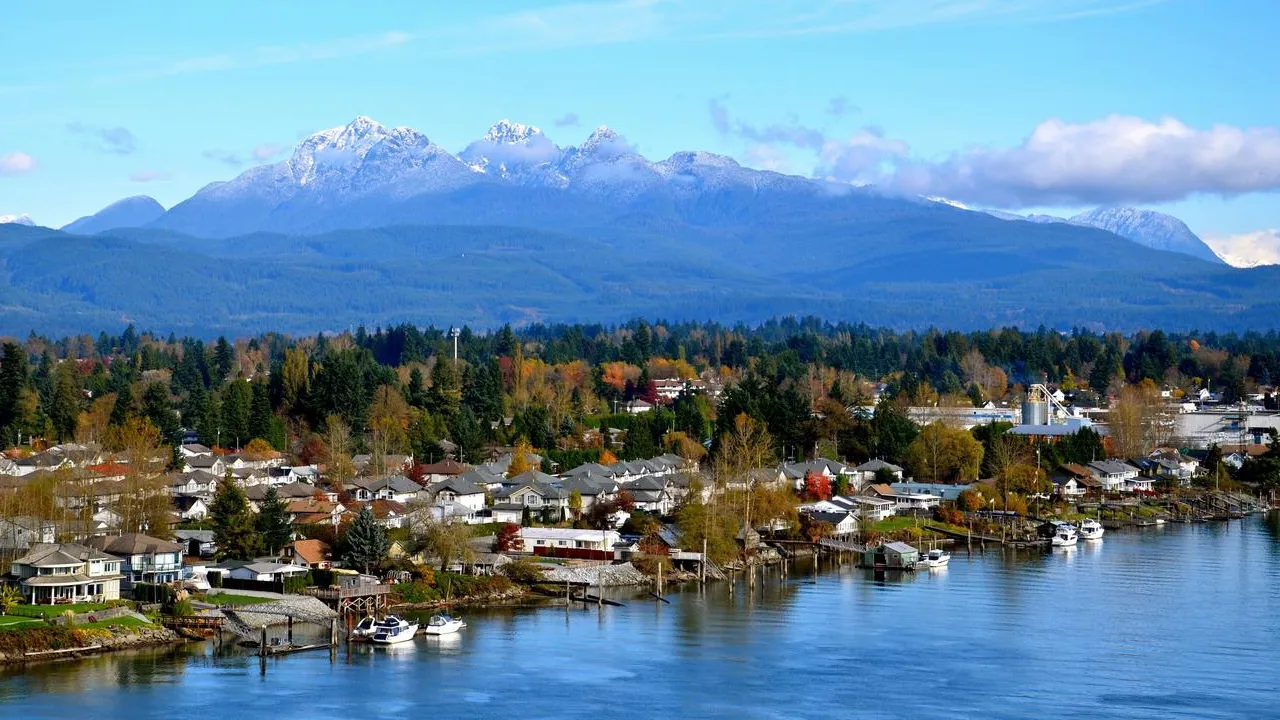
column 523, row 571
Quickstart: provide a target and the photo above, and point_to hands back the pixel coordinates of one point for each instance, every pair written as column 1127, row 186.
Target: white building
column 68, row 573
column 570, row 542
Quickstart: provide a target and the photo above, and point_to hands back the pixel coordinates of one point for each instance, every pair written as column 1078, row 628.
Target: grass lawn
column 9, row 622
column 228, row 599
column 49, row 611
column 126, row 621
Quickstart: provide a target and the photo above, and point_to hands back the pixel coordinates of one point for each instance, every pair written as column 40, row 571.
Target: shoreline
column 95, row 642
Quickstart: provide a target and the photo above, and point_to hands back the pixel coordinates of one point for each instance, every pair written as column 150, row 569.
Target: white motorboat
column 371, row 626
column 388, row 634
column 1090, row 529
column 1065, row 536
column 443, row 625
column 934, row 559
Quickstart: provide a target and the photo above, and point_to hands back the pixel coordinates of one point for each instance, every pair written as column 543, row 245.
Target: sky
column 1024, row 105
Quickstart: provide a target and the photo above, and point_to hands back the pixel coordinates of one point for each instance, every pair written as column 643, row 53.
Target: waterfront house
column 570, row 543
column 309, row 554
column 143, row 558
column 538, row 492
column 905, row 501
column 947, row 491
column 891, row 556
column 265, row 571
column 875, row 509
column 51, row 573
column 1113, row 474
column 843, row 524
column 1066, row 486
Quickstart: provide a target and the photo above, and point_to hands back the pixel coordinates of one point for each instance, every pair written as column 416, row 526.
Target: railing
column 348, row 592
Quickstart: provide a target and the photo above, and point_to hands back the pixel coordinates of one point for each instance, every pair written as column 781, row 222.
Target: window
column 562, row 543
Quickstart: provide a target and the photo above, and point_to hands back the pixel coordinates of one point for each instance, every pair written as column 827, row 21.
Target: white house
column 865, row 473
column 875, row 509
column 457, row 490
column 266, row 571
column 843, row 523
column 570, row 542
column 143, row 558
column 396, row 488
column 1113, row 474
column 53, row 573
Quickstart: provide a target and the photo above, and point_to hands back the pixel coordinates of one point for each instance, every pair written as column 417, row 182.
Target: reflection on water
column 1162, row 623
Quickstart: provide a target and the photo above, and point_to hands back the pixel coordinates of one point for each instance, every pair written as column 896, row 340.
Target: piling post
column 333, row 639
column 659, row 578
column 702, row 568
column 289, row 632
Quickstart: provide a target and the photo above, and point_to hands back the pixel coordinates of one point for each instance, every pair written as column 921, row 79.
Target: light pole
column 454, row 333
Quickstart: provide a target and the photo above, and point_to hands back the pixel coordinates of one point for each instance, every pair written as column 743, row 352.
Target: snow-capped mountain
column 517, row 153
column 130, row 212
column 22, row 219
column 1149, row 228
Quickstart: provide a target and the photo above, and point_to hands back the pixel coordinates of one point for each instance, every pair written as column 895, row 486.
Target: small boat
column 371, row 626
column 934, row 559
column 1091, row 529
column 1065, row 536
column 443, row 625
column 387, row 634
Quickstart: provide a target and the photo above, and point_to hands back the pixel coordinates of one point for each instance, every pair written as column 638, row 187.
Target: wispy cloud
column 144, row 176
column 568, row 120
column 115, row 140
column 268, row 151
column 16, row 163
column 226, row 157
column 840, row 106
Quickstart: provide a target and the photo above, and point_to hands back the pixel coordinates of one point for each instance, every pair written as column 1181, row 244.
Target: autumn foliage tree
column 507, row 538
column 817, row 487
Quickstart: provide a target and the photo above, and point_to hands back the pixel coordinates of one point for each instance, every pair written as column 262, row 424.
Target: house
column 144, row 558
column 905, row 501
column 865, row 474
column 592, row 488
column 51, row 573
column 397, row 488
column 1140, row 484
column 19, row 533
column 440, row 471
column 637, row 406
column 946, row 491
column 1066, row 486
column 1113, row 473
column 199, row 543
column 570, row 543
column 388, row 513
column 457, row 489
column 843, row 524
column 309, row 554
column 196, row 482
column 257, row 494
column 484, row 478
column 383, row 465
column 797, row 473
column 191, row 507
column 313, row 511
column 891, row 556
column 213, row 464
column 538, row 492
column 264, row 571
column 480, row 563
column 190, row 450
column 650, row 495
column 875, row 509
column 1173, row 465
column 88, row 494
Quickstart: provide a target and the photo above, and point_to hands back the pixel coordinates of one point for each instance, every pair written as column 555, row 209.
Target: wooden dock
column 362, row 600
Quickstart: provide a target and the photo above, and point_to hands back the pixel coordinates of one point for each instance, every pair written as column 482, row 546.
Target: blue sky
column 1025, row 104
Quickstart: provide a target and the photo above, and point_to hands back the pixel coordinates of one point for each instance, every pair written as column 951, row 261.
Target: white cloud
column 267, row 151
column 767, row 157
column 116, row 140
column 16, row 163
column 1117, row 159
column 860, row 158
column 1247, row 249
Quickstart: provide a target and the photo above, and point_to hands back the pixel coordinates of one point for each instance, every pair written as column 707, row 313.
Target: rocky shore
column 77, row 643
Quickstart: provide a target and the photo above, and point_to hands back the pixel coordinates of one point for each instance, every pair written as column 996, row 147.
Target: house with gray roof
column 458, row 490
column 143, row 558
column 52, row 573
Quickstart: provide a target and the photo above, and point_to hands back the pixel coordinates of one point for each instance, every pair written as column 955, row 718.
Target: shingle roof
column 132, row 544
column 54, row 554
column 459, row 485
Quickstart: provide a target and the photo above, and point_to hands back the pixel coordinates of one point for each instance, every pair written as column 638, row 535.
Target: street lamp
column 454, row 333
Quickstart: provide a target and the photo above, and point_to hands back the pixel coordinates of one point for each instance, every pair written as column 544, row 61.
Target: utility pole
column 454, row 333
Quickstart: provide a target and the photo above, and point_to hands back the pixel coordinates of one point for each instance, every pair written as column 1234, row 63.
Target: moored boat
column 934, row 559
column 1065, row 536
column 388, row 634
column 443, row 625
column 370, row 626
column 1090, row 529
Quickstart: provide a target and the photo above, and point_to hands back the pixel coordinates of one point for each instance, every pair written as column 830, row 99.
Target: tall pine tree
column 273, row 522
column 366, row 542
column 234, row 530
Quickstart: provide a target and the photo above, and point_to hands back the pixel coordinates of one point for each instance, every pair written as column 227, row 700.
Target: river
column 1170, row 622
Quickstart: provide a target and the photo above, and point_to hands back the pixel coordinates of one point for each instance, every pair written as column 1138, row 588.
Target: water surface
column 1170, row 622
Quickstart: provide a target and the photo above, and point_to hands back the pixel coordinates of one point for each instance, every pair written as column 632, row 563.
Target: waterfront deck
column 369, row 599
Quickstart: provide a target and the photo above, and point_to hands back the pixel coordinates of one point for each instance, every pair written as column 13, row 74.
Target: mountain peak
column 19, row 219
column 1147, row 227
column 134, row 211
column 601, row 134
column 505, row 131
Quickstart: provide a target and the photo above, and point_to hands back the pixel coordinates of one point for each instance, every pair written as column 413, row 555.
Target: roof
column 270, row 568
column 197, row 448
column 132, row 544
column 900, row 547
column 877, row 464
column 566, row 534
column 482, row 476
column 312, row 551
column 203, row 461
column 1113, row 466
column 448, row 466
column 58, row 580
column 835, row 518
column 204, row 536
column 56, row 555
column 458, row 485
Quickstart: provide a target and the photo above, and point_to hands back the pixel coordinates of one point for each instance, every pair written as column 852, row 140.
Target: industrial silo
column 1035, row 408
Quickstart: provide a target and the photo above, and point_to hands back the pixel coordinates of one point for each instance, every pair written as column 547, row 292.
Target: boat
column 387, row 634
column 1065, row 536
column 934, row 559
column 371, row 626
column 443, row 625
column 1090, row 529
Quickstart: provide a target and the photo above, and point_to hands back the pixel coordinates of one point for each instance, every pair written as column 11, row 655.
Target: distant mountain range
column 369, row 224
column 22, row 219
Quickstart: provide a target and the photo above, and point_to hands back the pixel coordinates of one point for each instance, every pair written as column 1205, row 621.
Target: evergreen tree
column 465, row 430
column 68, row 397
column 209, row 424
column 445, row 396
column 234, row 530
column 237, row 404
column 13, row 380
column 157, row 408
column 366, row 542
column 123, row 409
column 415, row 393
column 273, row 522
column 260, row 412
column 224, row 361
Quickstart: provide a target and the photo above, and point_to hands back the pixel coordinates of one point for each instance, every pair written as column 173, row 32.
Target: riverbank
column 41, row 644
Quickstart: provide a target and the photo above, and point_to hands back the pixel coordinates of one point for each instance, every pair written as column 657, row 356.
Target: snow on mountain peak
column 1147, row 227
column 20, row 219
column 505, row 131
